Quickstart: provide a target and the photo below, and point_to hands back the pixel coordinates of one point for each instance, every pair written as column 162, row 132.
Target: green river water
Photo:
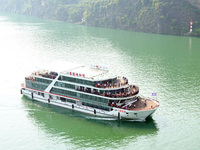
column 162, row 64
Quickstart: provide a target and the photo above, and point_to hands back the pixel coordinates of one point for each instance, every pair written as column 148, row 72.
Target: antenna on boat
column 99, row 67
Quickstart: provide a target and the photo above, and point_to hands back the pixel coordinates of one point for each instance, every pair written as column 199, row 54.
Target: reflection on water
column 190, row 44
column 82, row 129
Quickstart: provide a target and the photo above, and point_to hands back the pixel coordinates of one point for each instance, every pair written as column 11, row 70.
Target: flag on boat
column 153, row 94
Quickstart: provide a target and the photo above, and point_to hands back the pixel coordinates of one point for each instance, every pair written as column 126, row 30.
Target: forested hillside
column 155, row 16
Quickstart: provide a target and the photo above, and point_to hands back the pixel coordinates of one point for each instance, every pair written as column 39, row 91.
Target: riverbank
column 154, row 16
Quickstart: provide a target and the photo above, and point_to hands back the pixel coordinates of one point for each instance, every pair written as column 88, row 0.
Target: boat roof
column 93, row 73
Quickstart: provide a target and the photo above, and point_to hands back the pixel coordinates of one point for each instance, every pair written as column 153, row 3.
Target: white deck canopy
column 80, row 71
column 89, row 73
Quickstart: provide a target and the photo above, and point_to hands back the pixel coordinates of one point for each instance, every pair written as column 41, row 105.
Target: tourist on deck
column 112, row 104
column 104, row 85
column 120, row 94
column 126, row 81
column 124, row 94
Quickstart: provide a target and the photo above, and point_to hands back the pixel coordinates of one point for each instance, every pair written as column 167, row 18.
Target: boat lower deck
column 143, row 104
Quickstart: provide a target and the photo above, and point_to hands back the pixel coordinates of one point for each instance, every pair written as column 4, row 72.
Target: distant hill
column 154, row 16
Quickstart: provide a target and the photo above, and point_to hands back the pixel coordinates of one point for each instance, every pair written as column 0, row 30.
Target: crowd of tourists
column 118, row 94
column 51, row 75
column 110, row 84
column 132, row 90
column 30, row 78
column 46, row 74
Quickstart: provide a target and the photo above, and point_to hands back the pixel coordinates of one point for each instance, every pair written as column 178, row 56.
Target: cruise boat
column 92, row 90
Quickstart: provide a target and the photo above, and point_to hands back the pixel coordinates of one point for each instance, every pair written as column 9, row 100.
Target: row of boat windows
column 88, row 102
column 68, row 100
column 88, row 98
column 94, row 102
column 65, row 85
column 88, row 90
column 63, row 92
column 101, row 101
column 66, row 92
column 81, row 81
column 70, row 79
column 94, row 98
column 43, row 80
column 95, row 106
column 36, row 86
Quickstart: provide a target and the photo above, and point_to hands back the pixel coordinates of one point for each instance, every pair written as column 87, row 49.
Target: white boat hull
column 115, row 113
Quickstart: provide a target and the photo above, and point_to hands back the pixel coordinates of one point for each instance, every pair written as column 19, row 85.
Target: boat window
column 70, row 86
column 43, row 80
column 62, row 85
column 36, row 86
column 59, row 78
column 78, row 95
column 71, row 101
column 42, row 94
column 63, row 99
column 69, row 79
column 135, row 114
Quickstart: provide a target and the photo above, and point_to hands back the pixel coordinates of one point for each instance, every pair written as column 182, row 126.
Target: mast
column 191, row 22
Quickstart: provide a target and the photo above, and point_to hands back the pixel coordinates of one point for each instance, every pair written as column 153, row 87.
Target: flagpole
column 154, row 94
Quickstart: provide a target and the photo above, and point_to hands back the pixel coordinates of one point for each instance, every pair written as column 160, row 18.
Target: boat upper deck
column 91, row 73
column 92, row 76
column 46, row 74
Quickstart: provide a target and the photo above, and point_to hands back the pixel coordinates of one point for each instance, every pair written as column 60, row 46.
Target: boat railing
column 46, row 74
column 124, row 105
column 130, row 103
column 132, row 90
column 30, row 78
column 150, row 98
column 119, row 82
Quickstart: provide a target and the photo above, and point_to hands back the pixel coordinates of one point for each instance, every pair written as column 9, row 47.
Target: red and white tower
column 191, row 22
